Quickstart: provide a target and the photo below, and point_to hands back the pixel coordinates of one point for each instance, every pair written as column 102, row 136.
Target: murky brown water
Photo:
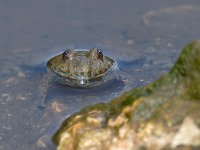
column 144, row 37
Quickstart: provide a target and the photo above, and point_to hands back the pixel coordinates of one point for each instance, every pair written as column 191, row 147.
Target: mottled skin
column 81, row 68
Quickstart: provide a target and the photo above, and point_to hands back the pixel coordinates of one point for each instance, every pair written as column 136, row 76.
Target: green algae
column 187, row 69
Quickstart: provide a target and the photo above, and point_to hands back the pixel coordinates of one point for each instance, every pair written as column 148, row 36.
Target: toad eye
column 99, row 54
column 68, row 54
column 96, row 54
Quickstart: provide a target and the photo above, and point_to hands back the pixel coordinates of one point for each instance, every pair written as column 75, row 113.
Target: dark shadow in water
column 136, row 63
column 35, row 69
column 106, row 89
column 62, row 92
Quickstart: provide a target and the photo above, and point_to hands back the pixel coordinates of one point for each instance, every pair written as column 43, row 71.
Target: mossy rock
column 162, row 115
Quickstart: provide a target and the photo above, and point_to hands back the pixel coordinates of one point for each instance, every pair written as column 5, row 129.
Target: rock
column 163, row 115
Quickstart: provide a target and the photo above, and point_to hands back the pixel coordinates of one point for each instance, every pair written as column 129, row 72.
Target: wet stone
column 57, row 107
column 163, row 115
column 42, row 142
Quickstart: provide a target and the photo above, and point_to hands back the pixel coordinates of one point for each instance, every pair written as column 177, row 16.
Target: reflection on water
column 145, row 38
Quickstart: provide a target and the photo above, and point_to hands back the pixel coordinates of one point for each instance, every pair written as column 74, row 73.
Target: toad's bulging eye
column 99, row 54
column 68, row 54
column 96, row 54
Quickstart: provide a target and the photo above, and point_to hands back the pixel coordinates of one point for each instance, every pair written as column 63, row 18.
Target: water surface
column 144, row 37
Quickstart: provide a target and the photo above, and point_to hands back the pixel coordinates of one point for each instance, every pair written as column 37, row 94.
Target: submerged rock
column 160, row 116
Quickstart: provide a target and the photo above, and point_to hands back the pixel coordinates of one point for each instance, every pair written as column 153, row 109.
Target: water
column 144, row 37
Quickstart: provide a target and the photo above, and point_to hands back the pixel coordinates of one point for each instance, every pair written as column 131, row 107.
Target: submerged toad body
column 86, row 68
column 81, row 68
